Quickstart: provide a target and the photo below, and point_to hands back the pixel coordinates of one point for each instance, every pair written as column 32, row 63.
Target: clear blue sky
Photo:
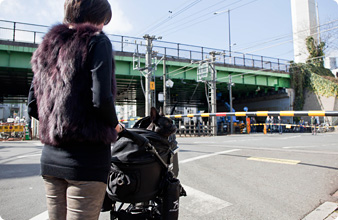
column 261, row 27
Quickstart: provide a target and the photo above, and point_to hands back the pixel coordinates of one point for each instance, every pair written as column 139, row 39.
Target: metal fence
column 33, row 33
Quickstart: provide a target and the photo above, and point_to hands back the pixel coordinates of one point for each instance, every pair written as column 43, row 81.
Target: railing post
column 190, row 55
column 224, row 57
column 262, row 62
column 121, row 43
column 244, row 58
column 178, row 50
column 34, row 36
column 14, row 27
column 278, row 64
column 202, row 53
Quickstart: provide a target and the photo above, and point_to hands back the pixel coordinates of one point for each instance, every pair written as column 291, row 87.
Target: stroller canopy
column 124, row 150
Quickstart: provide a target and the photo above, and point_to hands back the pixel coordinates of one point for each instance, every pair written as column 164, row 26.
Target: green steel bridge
column 254, row 76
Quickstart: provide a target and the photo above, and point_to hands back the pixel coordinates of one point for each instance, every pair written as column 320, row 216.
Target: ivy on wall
column 323, row 86
column 298, row 76
column 317, row 79
column 312, row 75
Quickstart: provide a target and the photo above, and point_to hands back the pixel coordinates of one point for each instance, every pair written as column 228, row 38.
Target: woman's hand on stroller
column 119, row 127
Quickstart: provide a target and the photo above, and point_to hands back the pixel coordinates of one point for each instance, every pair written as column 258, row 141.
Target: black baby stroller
column 143, row 181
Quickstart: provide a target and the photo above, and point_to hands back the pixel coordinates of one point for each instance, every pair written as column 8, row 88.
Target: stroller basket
column 136, row 175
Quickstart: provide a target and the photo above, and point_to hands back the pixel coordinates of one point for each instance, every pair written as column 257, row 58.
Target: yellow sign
column 152, row 85
column 12, row 128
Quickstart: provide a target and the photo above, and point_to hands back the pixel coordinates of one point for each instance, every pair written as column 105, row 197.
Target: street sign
column 203, row 72
column 152, row 85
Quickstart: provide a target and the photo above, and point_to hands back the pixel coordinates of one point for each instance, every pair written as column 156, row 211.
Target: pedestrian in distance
column 267, row 123
column 280, row 128
column 72, row 95
column 314, row 125
column 272, row 120
column 253, row 124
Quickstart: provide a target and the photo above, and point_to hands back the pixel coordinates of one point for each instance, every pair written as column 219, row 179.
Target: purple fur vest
column 62, row 87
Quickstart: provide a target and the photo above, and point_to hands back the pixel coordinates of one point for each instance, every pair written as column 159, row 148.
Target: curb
column 335, row 129
column 324, row 211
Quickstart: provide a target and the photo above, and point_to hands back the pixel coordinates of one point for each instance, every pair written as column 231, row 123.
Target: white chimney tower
column 304, row 24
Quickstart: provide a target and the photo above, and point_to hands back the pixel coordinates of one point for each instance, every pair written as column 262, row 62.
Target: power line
column 286, row 36
column 172, row 30
column 284, row 42
column 203, row 10
column 173, row 16
column 184, row 26
column 160, row 20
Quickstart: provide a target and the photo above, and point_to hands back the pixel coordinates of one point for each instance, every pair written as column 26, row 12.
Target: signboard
column 152, row 85
column 12, row 128
column 203, row 72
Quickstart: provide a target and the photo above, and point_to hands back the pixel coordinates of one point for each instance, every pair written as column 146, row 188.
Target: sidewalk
column 326, row 211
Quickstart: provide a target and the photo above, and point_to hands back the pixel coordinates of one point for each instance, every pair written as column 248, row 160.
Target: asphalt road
column 228, row 177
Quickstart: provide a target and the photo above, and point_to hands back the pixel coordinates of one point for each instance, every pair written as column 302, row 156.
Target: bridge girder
column 16, row 76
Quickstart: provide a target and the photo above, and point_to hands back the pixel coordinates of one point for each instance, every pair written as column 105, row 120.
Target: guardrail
column 205, row 128
column 33, row 33
column 259, row 114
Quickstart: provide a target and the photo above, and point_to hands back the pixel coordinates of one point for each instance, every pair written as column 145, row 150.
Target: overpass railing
column 33, row 33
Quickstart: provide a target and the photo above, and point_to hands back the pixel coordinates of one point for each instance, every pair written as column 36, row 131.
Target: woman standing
column 72, row 96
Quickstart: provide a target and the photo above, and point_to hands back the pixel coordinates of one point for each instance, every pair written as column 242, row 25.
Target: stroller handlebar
column 142, row 141
column 135, row 137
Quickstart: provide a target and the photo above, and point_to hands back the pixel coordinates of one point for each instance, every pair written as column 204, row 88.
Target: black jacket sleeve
column 32, row 106
column 101, row 66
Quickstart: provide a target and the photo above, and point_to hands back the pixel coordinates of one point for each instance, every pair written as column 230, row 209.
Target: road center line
column 207, row 155
column 275, row 160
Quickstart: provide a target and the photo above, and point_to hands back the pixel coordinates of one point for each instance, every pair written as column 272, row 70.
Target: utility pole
column 212, row 87
column 149, row 95
column 229, row 33
column 230, row 96
column 164, row 86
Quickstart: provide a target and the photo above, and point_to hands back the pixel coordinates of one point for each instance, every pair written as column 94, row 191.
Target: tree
column 316, row 52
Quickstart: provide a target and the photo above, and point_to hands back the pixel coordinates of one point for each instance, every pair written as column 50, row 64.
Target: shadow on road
column 8, row 171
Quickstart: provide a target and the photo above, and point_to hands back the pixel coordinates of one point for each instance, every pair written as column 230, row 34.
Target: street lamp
column 220, row 12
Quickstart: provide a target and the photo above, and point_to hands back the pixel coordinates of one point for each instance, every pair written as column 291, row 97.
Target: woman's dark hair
column 91, row 11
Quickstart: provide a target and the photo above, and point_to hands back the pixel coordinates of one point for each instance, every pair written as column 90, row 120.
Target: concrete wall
column 322, row 103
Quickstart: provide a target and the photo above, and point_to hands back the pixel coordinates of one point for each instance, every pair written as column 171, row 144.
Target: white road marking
column 29, row 155
column 196, row 202
column 207, row 155
column 230, row 141
column 201, row 203
column 204, row 142
column 290, row 147
column 38, row 144
column 285, row 138
column 42, row 216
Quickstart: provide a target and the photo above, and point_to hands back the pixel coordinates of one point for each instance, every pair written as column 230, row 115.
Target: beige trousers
column 73, row 200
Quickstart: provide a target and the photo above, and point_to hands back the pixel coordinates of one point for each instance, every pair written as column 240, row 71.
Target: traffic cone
column 27, row 133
